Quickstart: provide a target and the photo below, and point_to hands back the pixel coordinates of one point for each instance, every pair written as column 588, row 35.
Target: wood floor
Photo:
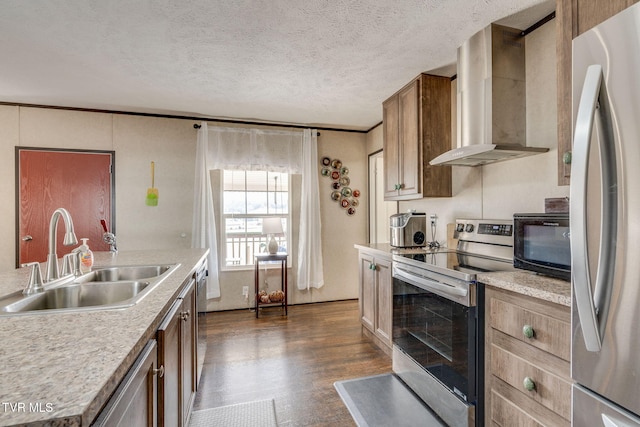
column 294, row 359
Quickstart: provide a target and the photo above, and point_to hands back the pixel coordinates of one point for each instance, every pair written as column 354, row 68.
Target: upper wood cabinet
column 416, row 129
column 574, row 17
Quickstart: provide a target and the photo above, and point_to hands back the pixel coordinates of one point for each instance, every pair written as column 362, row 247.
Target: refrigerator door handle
column 592, row 311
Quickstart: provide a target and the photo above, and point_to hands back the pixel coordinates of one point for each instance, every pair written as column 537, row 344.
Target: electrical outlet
column 433, row 218
column 245, row 291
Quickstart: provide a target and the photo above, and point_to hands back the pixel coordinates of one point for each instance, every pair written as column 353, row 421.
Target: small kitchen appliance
column 541, row 243
column 438, row 318
column 408, row 230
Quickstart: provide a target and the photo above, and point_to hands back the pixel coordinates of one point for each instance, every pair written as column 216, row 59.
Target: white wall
column 499, row 190
column 171, row 143
column 136, row 140
column 9, row 138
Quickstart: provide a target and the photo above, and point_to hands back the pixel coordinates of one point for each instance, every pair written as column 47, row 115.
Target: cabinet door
column 367, row 291
column 574, row 17
column 133, row 404
column 409, row 138
column 188, row 351
column 391, row 147
column 168, row 336
column 592, row 12
column 384, row 296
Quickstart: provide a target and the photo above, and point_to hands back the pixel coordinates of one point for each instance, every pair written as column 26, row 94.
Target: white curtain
column 204, row 218
column 270, row 150
column 310, row 274
column 255, row 149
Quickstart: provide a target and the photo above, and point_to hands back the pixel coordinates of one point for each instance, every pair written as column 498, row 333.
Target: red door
column 80, row 182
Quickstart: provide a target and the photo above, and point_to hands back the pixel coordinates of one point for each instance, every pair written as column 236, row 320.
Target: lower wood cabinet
column 527, row 361
column 160, row 387
column 177, row 355
column 134, row 404
column 376, row 296
column 189, row 350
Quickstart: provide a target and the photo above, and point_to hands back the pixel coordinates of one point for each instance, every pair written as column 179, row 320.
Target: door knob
column 27, row 238
column 159, row 371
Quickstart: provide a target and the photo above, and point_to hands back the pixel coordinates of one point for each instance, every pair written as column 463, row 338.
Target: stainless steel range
column 438, row 320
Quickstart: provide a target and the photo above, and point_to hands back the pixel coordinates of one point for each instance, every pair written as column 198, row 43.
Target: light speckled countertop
column 59, row 369
column 531, row 284
column 386, row 250
column 520, row 281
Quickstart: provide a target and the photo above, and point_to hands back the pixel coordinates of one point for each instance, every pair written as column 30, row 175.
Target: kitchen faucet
column 69, row 239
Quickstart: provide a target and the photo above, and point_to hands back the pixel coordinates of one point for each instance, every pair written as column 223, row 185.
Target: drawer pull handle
column 529, row 384
column 185, row 315
column 372, row 266
column 527, row 331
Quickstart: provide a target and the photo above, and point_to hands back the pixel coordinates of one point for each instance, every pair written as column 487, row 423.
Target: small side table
column 282, row 258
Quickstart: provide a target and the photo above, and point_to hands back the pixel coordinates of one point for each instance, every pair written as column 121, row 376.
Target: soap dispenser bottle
column 86, row 256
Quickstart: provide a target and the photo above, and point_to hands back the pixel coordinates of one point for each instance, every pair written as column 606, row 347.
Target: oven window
column 438, row 334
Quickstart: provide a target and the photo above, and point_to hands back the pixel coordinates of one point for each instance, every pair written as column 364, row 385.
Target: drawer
column 510, row 408
column 549, row 390
column 506, row 413
column 550, row 326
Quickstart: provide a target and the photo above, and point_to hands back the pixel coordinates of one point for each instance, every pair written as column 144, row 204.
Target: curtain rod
column 539, row 24
column 197, row 126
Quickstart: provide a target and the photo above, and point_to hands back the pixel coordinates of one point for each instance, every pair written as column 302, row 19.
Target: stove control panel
column 491, row 231
column 495, row 229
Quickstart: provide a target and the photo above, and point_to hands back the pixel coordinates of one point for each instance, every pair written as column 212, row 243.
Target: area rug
column 260, row 413
column 384, row 400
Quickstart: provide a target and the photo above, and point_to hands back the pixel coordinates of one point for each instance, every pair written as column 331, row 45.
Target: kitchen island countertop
column 59, row 369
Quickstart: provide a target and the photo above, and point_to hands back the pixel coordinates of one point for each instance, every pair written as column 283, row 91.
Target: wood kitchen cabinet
column 527, row 361
column 134, row 402
column 376, row 294
column 574, row 17
column 177, row 354
column 188, row 350
column 417, row 128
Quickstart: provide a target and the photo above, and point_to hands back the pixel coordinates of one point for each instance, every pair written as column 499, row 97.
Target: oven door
column 436, row 332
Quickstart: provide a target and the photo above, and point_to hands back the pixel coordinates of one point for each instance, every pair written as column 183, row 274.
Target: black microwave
column 541, row 243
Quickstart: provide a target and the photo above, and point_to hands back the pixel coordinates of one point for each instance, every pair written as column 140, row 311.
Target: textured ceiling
column 323, row 63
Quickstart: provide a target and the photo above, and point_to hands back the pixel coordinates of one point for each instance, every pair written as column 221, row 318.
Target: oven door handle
column 428, row 284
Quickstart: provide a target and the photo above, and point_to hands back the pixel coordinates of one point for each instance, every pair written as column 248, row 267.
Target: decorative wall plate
column 341, row 193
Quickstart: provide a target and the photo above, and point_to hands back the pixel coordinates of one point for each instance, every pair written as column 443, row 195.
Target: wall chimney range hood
column 491, row 103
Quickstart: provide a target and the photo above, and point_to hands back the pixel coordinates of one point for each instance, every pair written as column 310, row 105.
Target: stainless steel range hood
column 491, row 103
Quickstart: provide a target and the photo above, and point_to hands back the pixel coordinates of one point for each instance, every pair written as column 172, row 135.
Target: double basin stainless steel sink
column 100, row 289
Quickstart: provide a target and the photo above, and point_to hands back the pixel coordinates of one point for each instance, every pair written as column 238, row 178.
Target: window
column 247, row 198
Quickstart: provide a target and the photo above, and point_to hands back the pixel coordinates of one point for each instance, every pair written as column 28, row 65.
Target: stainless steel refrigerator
column 605, row 223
